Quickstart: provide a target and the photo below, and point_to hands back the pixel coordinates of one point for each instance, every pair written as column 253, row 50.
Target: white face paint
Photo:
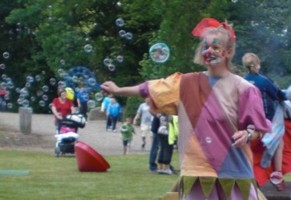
column 212, row 50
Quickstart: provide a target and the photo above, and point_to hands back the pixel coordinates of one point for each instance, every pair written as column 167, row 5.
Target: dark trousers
column 111, row 120
column 166, row 150
column 84, row 109
column 154, row 152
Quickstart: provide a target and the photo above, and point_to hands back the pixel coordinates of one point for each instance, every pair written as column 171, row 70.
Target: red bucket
column 88, row 159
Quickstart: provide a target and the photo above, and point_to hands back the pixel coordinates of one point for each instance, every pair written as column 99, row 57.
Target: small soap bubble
column 44, row 97
column 4, row 76
column 88, row 48
column 27, row 84
column 119, row 58
column 122, row 33
column 2, row 66
column 25, row 103
column 111, row 67
column 98, row 96
column 62, row 62
column 32, row 98
column 128, row 36
column 37, row 77
column 91, row 104
column 61, row 84
column 208, row 140
column 41, row 103
column 53, row 81
column 119, row 22
column 92, row 81
column 107, row 61
column 9, row 105
column 234, row 1
column 7, row 97
column 119, row 4
column 159, row 52
column 39, row 93
column 45, row 88
column 29, row 79
column 6, row 55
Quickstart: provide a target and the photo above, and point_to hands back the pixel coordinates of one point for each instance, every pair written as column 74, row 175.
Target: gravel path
column 42, row 137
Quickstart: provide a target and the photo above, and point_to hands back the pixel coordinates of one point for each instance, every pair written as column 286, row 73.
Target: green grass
column 59, row 178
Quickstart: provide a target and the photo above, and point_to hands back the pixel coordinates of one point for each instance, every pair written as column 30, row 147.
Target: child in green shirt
column 127, row 131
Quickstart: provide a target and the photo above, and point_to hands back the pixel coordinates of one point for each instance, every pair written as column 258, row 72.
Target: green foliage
column 132, row 105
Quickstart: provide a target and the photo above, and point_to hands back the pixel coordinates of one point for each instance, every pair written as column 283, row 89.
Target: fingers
column 240, row 138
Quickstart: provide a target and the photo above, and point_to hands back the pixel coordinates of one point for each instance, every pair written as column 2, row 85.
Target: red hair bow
column 211, row 22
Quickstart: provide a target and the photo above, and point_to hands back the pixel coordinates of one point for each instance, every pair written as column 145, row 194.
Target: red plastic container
column 88, row 159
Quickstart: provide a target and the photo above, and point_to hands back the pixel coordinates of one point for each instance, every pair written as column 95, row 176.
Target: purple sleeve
column 251, row 111
column 143, row 89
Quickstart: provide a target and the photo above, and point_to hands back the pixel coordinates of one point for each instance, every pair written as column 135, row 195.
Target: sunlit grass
column 59, row 178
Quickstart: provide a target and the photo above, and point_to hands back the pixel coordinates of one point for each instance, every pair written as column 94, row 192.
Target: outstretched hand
column 110, row 87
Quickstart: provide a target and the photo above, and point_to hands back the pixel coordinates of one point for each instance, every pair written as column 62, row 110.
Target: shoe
column 276, row 178
column 143, row 146
column 114, row 131
column 165, row 171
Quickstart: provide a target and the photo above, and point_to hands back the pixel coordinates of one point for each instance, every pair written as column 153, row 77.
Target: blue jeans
column 154, row 152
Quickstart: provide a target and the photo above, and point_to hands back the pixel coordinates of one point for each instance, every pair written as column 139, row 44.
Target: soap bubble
column 119, row 58
column 128, row 36
column 119, row 4
column 6, row 55
column 91, row 104
column 159, row 52
column 29, row 79
column 32, row 98
column 91, row 82
column 234, row 1
column 107, row 61
column 61, row 84
column 37, row 77
column 53, row 81
column 62, row 62
column 2, row 66
column 111, row 67
column 41, row 103
column 98, row 96
column 25, row 103
column 208, row 140
column 122, row 33
column 9, row 105
column 45, row 88
column 88, row 48
column 119, row 22
column 44, row 97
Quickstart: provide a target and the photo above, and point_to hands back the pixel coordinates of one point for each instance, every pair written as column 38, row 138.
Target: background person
column 143, row 113
column 61, row 107
column 127, row 131
column 271, row 95
column 113, row 112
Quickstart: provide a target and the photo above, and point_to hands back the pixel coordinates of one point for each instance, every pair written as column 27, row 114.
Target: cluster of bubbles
column 159, row 52
column 109, row 62
column 36, row 89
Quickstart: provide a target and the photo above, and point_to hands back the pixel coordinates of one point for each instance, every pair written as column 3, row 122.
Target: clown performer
column 214, row 107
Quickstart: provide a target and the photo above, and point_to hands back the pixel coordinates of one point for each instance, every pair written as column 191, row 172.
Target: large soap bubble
column 159, row 52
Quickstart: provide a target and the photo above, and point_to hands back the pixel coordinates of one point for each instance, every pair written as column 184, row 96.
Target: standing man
column 143, row 113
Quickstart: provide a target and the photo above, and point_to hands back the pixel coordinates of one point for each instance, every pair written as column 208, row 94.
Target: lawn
column 59, row 178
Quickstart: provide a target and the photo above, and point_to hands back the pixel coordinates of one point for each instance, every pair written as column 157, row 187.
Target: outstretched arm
column 111, row 87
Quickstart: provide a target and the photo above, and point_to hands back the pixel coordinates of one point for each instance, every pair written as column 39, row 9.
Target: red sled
column 88, row 159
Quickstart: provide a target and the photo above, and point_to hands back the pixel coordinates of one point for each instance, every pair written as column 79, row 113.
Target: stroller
column 68, row 134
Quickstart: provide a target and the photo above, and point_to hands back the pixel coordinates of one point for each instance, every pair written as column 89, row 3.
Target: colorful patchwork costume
column 210, row 111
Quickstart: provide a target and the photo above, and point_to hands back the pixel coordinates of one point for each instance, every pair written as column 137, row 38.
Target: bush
column 132, row 104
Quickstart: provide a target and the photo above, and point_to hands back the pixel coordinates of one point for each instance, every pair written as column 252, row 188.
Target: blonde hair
column 251, row 61
column 225, row 35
